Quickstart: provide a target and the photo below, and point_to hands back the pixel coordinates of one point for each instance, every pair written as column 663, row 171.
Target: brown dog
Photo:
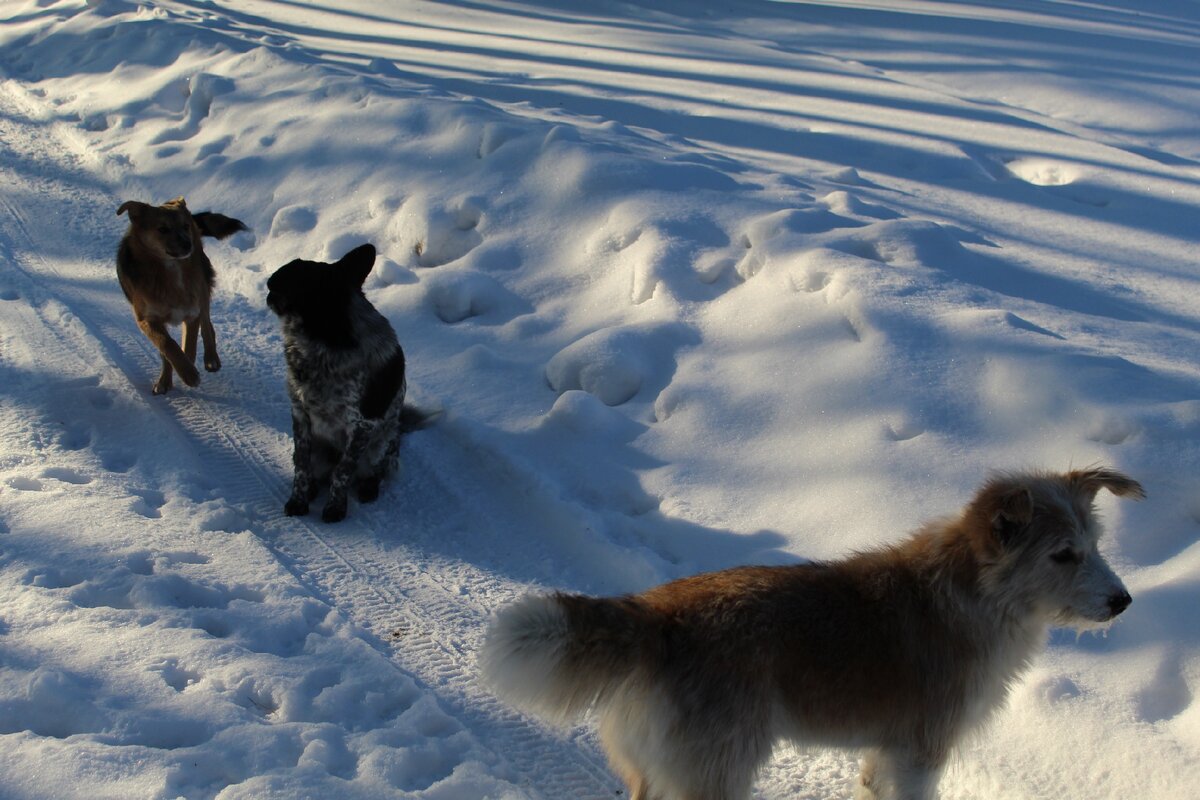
column 899, row 651
column 168, row 280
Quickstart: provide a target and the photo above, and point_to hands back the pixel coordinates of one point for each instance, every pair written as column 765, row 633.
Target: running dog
column 345, row 378
column 898, row 651
column 168, row 280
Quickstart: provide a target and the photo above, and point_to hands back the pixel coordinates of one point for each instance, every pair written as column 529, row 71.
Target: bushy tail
column 556, row 655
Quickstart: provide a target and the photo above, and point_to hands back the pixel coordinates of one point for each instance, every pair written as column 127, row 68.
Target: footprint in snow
column 148, row 503
column 118, row 460
column 100, row 399
column 1167, row 695
column 293, row 219
column 73, row 477
column 614, row 363
column 439, row 235
column 177, row 677
column 201, row 90
column 77, row 436
column 902, row 430
column 461, row 295
column 1112, row 430
column 1042, row 171
column 52, row 578
column 494, row 136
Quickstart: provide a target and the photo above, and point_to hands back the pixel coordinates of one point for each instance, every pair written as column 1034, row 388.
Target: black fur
column 345, row 380
column 382, row 387
column 217, row 226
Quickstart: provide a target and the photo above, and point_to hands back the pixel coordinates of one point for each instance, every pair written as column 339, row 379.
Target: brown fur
column 168, row 279
column 899, row 651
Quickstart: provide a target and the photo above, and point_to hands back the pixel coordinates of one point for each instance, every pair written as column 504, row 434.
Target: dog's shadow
column 562, row 505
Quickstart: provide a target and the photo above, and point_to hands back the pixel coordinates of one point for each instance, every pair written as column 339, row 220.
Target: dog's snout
column 183, row 245
column 1119, row 602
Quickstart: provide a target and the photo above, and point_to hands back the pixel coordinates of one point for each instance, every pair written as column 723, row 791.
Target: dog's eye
column 163, row 229
column 1065, row 556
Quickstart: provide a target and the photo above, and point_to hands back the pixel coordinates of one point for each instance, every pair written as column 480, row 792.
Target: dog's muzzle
column 1119, row 602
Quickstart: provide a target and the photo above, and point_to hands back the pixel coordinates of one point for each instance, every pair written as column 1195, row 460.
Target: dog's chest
column 328, row 388
column 174, row 314
column 177, row 295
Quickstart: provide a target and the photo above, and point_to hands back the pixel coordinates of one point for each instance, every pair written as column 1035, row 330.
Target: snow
column 693, row 285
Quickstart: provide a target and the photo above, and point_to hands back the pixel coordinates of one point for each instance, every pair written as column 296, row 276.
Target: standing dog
column 345, row 378
column 168, row 280
column 899, row 651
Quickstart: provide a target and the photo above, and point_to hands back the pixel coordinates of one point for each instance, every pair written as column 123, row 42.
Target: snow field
column 693, row 289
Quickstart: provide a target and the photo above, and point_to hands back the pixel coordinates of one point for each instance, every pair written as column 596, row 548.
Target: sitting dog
column 345, row 378
column 168, row 280
column 900, row 650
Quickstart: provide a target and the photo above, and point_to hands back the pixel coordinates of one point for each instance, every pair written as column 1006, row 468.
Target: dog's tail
column 415, row 419
column 557, row 655
column 217, row 226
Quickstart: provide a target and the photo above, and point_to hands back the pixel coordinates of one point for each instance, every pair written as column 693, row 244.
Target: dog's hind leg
column 368, row 485
column 368, row 488
column 867, row 787
column 916, row 782
column 895, row 776
column 212, row 362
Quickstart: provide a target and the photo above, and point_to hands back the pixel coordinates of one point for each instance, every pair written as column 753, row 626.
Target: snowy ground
column 693, row 287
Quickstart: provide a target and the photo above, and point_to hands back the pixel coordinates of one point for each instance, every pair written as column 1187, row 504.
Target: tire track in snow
column 423, row 611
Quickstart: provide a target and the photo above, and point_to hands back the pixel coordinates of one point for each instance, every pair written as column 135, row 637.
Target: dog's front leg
column 190, row 328
column 343, row 473
column 172, row 356
column 212, row 362
column 302, row 479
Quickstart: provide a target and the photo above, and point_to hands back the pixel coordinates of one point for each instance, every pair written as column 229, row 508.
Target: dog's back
column 760, row 634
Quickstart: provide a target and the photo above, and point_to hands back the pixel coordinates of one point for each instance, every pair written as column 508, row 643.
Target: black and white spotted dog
column 345, row 378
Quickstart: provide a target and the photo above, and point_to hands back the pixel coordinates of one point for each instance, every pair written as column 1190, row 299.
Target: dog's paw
column 368, row 490
column 334, row 511
column 162, row 386
column 296, row 507
column 212, row 363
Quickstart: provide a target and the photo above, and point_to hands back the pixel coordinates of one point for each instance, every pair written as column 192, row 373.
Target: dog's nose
column 1119, row 602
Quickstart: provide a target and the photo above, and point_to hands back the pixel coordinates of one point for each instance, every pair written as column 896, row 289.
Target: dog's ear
column 358, row 262
column 178, row 201
column 1004, row 506
column 1091, row 480
column 1012, row 510
column 136, row 209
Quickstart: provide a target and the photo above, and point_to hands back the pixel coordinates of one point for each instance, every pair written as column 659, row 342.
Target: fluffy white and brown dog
column 898, row 651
